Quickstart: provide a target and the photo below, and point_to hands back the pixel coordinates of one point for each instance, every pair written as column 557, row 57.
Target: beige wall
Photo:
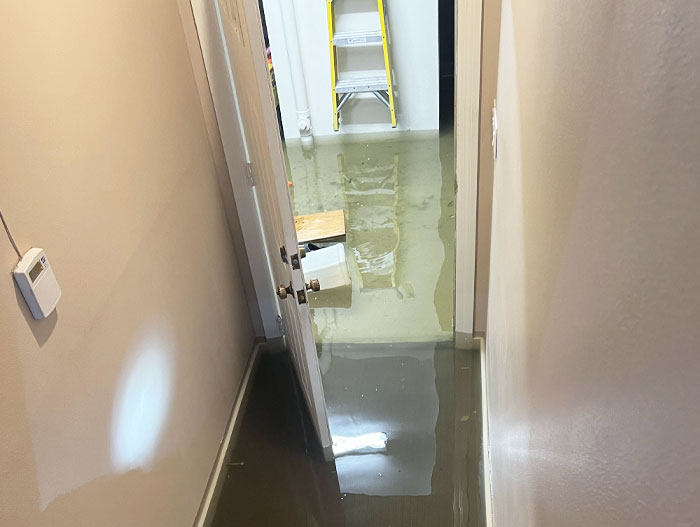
column 593, row 338
column 490, row 27
column 112, row 408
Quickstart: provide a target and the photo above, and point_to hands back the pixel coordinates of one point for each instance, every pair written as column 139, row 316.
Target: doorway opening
column 375, row 161
column 383, row 319
column 388, row 277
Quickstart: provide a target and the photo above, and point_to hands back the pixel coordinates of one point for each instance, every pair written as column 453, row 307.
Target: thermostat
column 37, row 282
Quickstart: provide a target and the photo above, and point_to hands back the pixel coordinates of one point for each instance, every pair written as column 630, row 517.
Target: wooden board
column 322, row 226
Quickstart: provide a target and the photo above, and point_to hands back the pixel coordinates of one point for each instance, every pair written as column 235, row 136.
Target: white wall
column 594, row 301
column 413, row 33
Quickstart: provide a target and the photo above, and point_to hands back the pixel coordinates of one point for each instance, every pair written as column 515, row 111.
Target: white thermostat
column 37, row 282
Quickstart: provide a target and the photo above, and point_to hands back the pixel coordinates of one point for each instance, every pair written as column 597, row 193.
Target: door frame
column 468, row 47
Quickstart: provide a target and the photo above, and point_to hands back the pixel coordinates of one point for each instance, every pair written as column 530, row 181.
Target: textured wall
column 112, row 408
column 593, row 331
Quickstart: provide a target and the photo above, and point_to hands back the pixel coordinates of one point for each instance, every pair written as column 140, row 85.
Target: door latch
column 313, row 285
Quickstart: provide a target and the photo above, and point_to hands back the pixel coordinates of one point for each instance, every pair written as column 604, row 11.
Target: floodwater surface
column 406, row 427
column 403, row 405
column 397, row 191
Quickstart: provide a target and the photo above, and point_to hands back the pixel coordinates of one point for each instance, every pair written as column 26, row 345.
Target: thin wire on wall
column 9, row 235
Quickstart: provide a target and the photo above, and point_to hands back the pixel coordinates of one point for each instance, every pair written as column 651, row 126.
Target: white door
column 240, row 26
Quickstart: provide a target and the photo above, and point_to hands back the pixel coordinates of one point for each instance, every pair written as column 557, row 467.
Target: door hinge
column 249, row 173
column 280, row 324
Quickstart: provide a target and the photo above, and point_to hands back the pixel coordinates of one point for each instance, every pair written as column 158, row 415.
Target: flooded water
column 404, row 406
column 406, row 425
column 397, row 191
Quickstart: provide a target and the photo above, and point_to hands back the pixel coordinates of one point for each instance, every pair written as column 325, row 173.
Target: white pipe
column 291, row 37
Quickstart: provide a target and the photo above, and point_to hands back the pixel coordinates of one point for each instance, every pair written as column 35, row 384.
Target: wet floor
column 397, row 191
column 406, row 425
column 404, row 406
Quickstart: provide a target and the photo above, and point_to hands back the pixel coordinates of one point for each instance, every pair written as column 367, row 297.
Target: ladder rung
column 364, row 83
column 357, row 38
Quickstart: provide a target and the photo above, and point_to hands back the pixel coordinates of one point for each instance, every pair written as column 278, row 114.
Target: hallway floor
column 406, row 424
column 397, row 191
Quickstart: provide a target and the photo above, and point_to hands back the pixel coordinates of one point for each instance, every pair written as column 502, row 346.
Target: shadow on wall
column 41, row 329
column 134, row 488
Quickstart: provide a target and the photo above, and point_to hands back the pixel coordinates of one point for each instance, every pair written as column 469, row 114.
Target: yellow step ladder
column 346, row 84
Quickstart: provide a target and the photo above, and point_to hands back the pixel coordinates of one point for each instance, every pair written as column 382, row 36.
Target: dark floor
column 406, row 426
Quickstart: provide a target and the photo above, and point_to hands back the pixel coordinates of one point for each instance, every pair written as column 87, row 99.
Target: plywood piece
column 322, row 226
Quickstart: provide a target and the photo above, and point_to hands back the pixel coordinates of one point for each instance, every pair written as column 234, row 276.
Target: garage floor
column 397, row 191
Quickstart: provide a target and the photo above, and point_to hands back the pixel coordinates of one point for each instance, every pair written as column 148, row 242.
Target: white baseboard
column 205, row 515
column 485, row 435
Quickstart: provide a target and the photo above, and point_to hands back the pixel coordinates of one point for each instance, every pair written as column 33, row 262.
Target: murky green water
column 397, row 191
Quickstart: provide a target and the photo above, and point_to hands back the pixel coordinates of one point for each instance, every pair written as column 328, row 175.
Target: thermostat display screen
column 36, row 271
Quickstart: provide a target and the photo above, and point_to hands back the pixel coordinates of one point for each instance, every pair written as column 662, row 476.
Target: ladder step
column 357, row 38
column 366, row 82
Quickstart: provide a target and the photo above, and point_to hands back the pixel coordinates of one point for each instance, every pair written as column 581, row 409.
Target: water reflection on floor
column 404, row 406
column 406, row 424
column 397, row 191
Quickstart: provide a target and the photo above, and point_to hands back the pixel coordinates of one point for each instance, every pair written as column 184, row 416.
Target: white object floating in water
column 328, row 266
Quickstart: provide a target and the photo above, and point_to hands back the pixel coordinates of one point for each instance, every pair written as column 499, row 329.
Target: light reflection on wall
column 142, row 403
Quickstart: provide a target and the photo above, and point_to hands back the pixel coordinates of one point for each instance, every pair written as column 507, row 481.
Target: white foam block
column 328, row 266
